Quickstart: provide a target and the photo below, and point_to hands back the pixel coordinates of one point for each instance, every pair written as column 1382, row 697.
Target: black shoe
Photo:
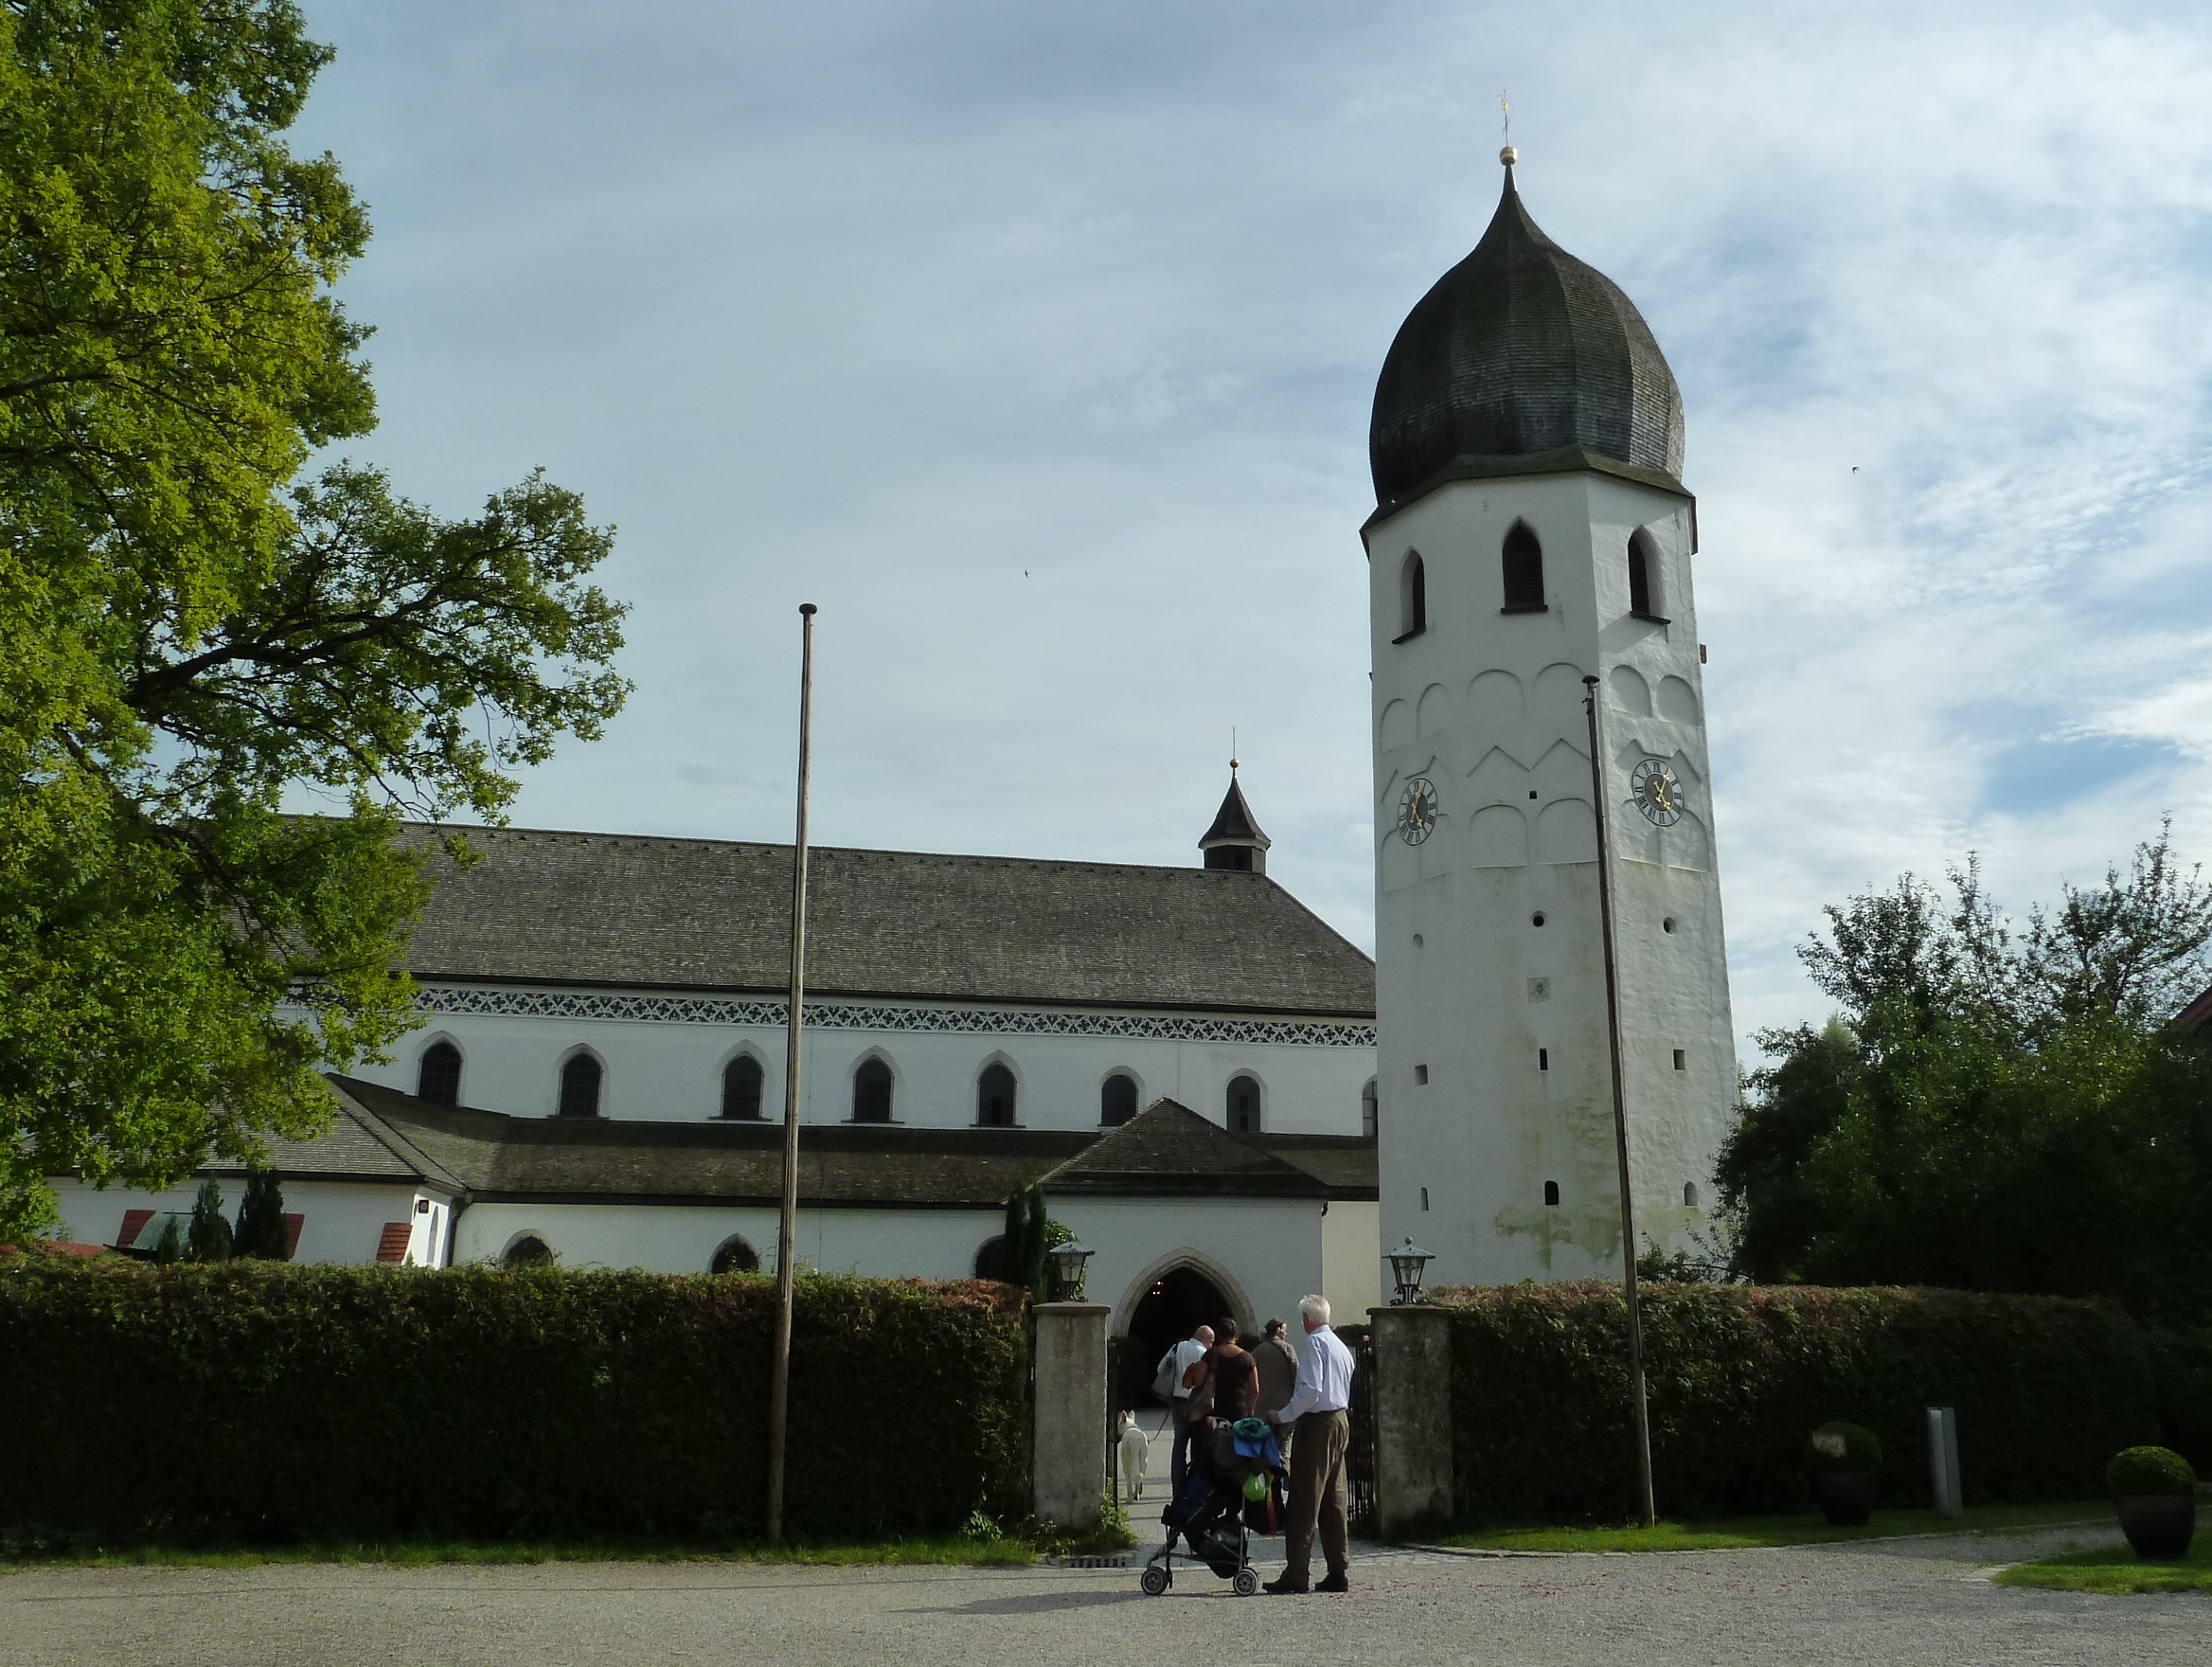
column 1279, row 1586
column 1333, row 1583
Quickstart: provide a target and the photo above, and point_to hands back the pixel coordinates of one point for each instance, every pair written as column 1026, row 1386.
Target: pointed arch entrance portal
column 1180, row 1301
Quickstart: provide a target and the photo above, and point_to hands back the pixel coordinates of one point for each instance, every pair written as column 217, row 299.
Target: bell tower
column 1531, row 531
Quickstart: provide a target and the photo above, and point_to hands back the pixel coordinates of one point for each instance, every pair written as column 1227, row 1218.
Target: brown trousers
column 1318, row 1493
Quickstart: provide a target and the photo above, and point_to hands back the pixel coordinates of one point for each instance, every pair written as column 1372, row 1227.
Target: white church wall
column 345, row 1220
column 1494, row 1066
column 679, row 1237
column 1265, row 1252
column 670, row 1068
column 1351, row 1259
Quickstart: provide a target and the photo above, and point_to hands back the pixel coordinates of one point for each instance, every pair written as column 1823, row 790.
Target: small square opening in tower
column 1544, row 1059
column 1551, row 1193
column 1680, row 1060
column 1421, row 1075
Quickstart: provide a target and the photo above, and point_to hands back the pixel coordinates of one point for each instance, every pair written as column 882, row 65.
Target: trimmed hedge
column 2047, row 1389
column 265, row 1403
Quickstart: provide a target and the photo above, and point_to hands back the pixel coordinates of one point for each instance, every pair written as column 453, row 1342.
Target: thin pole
column 1620, row 1116
column 787, row 1229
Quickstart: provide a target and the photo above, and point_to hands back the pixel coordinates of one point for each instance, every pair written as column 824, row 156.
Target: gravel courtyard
column 1898, row 1602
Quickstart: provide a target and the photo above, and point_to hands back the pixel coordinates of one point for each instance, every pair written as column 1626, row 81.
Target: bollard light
column 1407, row 1264
column 1070, row 1262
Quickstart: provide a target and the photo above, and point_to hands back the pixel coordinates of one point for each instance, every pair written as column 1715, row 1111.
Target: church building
column 1185, row 1058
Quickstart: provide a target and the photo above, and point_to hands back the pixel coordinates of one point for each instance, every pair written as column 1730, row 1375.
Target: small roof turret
column 1235, row 841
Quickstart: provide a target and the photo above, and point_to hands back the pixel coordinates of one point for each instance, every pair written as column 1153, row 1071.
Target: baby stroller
column 1220, row 1505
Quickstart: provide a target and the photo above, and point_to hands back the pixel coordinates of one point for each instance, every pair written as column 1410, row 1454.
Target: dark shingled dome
column 1520, row 350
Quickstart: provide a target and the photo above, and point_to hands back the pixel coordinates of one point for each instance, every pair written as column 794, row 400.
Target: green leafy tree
column 194, row 637
column 209, row 1237
column 260, row 1217
column 1991, row 1109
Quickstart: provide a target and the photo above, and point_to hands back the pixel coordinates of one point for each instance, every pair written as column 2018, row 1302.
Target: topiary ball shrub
column 2142, row 1471
column 1844, row 1447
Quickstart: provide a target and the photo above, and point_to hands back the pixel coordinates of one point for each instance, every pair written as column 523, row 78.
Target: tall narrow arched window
column 1642, row 576
column 871, row 1092
column 437, row 1078
column 994, row 1096
column 1522, row 562
column 1370, row 1110
column 579, row 1086
column 740, row 1087
column 1413, row 597
column 1243, row 1106
column 1116, row 1100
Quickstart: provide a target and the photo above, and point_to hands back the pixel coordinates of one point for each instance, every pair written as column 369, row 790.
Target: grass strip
column 2116, row 1570
column 960, row 1550
column 1745, row 1532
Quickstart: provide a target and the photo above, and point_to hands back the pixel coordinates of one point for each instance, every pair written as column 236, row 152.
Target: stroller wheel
column 1153, row 1580
column 1246, row 1583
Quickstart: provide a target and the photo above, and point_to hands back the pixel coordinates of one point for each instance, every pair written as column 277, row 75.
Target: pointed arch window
column 733, row 1255
column 1243, row 1106
column 1644, row 578
column 437, row 1078
column 1116, row 1100
column 871, row 1092
column 579, row 1086
column 1413, row 597
column 741, row 1081
column 1522, row 560
column 995, row 1098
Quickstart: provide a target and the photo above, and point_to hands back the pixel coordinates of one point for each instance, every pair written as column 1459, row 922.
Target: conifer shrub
column 2046, row 1389
column 260, row 1217
column 268, row 1402
column 209, row 1238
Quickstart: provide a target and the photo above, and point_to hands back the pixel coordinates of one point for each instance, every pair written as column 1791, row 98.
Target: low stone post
column 1067, row 1465
column 1413, row 1417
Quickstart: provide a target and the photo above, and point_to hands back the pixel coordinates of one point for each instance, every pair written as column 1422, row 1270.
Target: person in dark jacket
column 1278, row 1364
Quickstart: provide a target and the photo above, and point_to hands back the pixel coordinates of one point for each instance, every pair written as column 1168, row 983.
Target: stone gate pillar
column 1067, row 1466
column 1413, row 1417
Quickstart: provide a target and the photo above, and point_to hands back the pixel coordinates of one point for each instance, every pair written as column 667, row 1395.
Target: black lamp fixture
column 1407, row 1264
column 1070, row 1263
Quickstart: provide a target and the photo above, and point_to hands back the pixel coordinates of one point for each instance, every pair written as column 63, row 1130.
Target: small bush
column 1843, row 1446
column 2149, row 1470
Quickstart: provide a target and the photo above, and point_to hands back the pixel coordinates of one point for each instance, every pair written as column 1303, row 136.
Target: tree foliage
column 1992, row 1109
column 193, row 635
column 260, row 1217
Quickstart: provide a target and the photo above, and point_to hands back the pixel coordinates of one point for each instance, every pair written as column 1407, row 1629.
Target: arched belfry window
column 994, row 1096
column 1642, row 576
column 871, row 1092
column 1522, row 562
column 740, row 1087
column 1243, row 1106
column 579, row 1086
column 438, row 1076
column 1116, row 1100
column 1413, row 597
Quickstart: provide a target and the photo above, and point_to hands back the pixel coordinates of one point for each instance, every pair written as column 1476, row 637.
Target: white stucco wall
column 1472, row 993
column 1265, row 1254
column 670, row 1068
column 1351, row 1259
column 345, row 1220
column 677, row 1238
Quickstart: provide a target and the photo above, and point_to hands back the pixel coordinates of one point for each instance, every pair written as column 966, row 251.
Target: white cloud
column 1036, row 345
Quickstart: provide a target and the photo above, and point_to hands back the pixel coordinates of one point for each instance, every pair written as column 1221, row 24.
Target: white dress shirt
column 1324, row 1376
column 1188, row 1353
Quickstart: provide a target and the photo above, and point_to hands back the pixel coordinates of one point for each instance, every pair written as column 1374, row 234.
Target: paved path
column 1899, row 1604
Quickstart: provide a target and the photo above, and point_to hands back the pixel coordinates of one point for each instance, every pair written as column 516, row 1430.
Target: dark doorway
column 1180, row 1301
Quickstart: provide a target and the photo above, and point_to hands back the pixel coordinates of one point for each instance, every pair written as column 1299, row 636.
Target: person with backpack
column 1168, row 1383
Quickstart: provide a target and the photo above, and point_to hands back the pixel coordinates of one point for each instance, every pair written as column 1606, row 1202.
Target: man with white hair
column 1319, row 1410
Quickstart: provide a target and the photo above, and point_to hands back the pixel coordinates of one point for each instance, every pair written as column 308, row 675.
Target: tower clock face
column 1417, row 809
column 1658, row 793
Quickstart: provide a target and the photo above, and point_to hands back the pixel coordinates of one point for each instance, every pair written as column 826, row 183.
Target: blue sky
column 1036, row 345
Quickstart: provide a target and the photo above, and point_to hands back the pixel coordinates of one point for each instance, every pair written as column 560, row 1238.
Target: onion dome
column 1235, row 840
column 1522, row 360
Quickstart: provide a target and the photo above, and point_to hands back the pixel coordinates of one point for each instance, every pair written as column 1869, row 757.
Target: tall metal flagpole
column 1621, row 1118
column 787, row 1229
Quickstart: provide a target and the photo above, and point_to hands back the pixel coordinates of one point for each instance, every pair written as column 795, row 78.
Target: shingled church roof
column 635, row 911
column 1170, row 1148
column 1522, row 359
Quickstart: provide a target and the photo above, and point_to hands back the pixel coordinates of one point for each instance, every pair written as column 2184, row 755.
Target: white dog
column 1135, row 1452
